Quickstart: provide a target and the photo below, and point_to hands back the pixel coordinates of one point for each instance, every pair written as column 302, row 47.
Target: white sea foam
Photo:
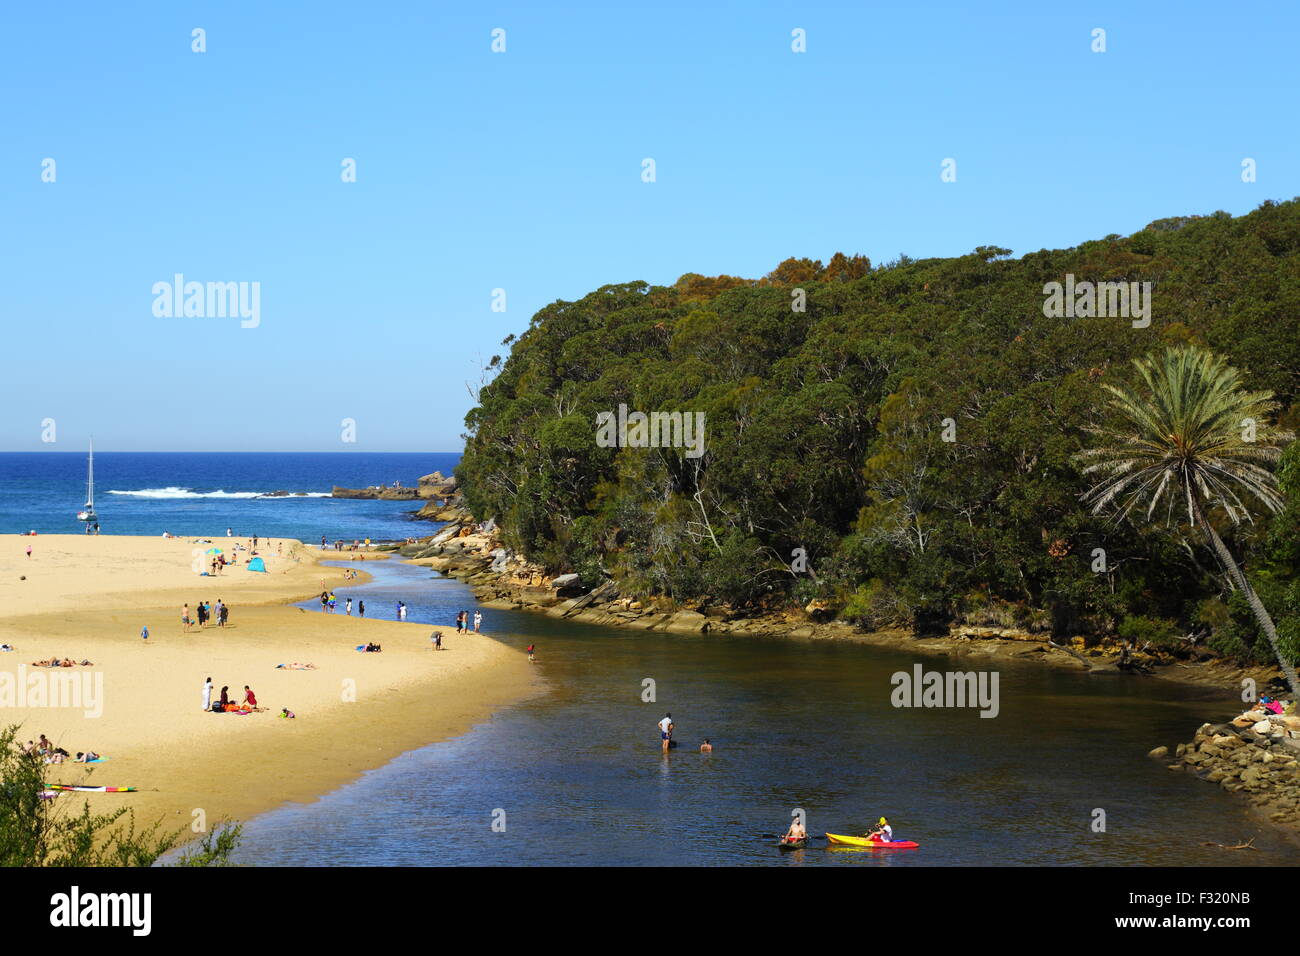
column 174, row 492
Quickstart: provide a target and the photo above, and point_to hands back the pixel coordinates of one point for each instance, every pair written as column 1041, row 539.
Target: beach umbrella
column 215, row 551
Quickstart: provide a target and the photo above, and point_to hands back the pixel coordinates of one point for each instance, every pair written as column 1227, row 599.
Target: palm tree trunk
column 1256, row 605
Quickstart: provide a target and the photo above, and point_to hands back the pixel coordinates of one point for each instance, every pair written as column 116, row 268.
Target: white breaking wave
column 187, row 493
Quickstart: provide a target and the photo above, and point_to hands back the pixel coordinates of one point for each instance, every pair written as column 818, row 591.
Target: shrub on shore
column 35, row 831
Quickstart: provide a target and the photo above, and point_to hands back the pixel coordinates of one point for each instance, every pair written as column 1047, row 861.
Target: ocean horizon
column 204, row 493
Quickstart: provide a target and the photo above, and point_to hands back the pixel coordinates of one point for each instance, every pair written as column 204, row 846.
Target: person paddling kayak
column 883, row 833
column 795, row 833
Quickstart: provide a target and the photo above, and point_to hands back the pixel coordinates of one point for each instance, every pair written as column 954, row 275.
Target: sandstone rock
column 1262, row 727
column 566, row 581
column 687, row 622
column 1159, row 753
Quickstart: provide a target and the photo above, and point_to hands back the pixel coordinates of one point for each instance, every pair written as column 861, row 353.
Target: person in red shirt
column 250, row 698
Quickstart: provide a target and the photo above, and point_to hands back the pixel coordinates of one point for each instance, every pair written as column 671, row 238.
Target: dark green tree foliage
column 825, row 431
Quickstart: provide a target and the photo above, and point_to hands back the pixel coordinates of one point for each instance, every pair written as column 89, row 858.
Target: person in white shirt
column 666, row 731
column 207, row 694
column 883, row 832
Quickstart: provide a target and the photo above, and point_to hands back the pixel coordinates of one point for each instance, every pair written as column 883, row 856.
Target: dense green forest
column 905, row 448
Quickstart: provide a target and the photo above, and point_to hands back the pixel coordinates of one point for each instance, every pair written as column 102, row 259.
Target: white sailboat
column 88, row 514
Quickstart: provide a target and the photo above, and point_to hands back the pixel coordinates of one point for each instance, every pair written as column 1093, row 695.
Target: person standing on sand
column 478, row 619
column 666, row 731
column 185, row 617
column 225, row 613
column 144, row 633
column 531, row 649
column 347, row 607
column 207, row 694
column 29, row 551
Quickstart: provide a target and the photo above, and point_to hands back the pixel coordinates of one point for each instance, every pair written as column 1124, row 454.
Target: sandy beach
column 88, row 597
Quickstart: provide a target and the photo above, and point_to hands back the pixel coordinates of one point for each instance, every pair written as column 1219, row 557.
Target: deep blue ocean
column 205, row 493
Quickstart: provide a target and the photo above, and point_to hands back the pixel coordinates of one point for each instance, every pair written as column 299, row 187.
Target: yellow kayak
column 837, row 839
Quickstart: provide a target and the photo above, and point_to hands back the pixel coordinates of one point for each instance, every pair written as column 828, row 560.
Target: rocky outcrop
column 1256, row 754
column 434, row 488
column 378, row 492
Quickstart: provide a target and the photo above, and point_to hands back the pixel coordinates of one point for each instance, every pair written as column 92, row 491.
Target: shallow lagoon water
column 578, row 773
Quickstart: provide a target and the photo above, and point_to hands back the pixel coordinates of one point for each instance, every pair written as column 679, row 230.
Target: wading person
column 666, row 731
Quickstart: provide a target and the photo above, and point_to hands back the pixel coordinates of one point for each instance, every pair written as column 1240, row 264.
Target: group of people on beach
column 61, row 662
column 225, row 704
column 339, row 545
column 43, row 749
column 462, row 622
column 204, row 613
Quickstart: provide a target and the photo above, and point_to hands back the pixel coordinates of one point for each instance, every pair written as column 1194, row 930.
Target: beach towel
column 81, row 789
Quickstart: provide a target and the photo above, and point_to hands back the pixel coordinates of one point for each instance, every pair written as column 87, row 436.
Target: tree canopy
column 911, row 429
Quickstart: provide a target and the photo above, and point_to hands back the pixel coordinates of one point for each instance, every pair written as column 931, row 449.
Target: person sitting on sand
column 706, row 747
column 225, row 697
column 250, row 698
column 287, row 713
column 29, row 747
column 796, row 832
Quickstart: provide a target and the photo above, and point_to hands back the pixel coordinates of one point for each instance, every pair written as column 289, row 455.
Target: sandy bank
column 87, row 598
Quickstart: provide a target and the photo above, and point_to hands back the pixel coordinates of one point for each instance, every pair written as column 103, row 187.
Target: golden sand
column 87, row 597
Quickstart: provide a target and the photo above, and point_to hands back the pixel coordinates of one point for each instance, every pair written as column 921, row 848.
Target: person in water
column 883, row 833
column 666, row 731
column 706, row 747
column 796, row 832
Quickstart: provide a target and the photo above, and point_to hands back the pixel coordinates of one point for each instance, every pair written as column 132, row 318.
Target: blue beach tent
column 257, row 564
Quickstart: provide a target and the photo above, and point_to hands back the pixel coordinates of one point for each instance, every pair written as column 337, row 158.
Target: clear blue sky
column 522, row 171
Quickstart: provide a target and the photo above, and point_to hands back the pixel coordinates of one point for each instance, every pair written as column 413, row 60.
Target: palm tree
column 1194, row 438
